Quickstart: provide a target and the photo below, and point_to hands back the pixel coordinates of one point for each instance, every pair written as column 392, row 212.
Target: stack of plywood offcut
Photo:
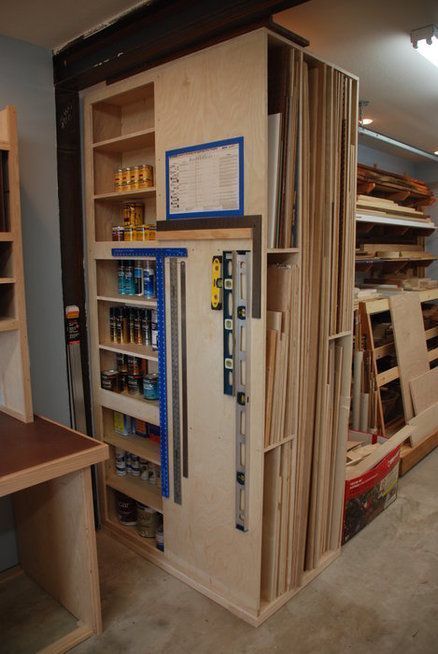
column 305, row 475
column 367, row 204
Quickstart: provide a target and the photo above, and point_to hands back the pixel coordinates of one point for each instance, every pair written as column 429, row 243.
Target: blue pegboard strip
column 160, row 255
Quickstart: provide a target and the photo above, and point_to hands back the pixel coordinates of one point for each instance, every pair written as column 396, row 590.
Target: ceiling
column 372, row 40
column 53, row 23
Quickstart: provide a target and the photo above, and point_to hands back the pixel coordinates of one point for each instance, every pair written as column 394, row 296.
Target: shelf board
column 8, row 324
column 134, row 406
column 400, row 260
column 131, row 349
column 282, row 250
column 143, row 447
column 128, row 299
column 131, row 534
column 102, row 249
column 397, row 222
column 135, row 141
column 138, row 489
column 6, row 236
column 116, row 196
column 7, row 280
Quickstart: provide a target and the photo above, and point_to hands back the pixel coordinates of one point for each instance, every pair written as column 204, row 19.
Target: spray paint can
column 138, row 278
column 149, row 280
column 121, row 278
column 154, row 329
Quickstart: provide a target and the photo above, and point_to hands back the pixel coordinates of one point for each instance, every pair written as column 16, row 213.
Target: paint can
column 126, row 509
column 135, row 384
column 134, row 468
column 146, row 521
column 118, row 233
column 140, row 428
column 159, row 534
column 120, row 462
column 110, row 381
column 150, row 387
column 118, row 179
column 122, row 423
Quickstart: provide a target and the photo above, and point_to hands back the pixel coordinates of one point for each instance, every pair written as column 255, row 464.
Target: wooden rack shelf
column 424, row 226
column 138, row 489
column 135, row 141
column 122, row 196
column 7, row 280
column 8, row 324
column 140, row 351
column 130, row 300
column 143, row 447
column 131, row 405
column 6, row 237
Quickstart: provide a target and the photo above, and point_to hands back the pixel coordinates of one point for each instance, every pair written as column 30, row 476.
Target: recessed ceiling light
column 425, row 41
column 366, row 121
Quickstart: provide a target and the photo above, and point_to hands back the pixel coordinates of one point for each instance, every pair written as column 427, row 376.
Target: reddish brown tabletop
column 40, row 450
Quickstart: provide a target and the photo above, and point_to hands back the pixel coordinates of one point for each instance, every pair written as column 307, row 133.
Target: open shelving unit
column 15, row 389
column 251, row 571
column 120, row 132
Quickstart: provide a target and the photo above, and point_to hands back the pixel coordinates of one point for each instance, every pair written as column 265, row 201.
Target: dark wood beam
column 157, row 32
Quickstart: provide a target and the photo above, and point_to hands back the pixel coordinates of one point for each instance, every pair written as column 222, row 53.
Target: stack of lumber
column 282, row 354
column 328, row 273
column 284, row 80
column 403, row 189
column 308, row 380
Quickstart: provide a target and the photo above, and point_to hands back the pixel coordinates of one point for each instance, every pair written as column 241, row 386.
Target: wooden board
column 56, row 542
column 410, row 456
column 410, row 343
column 424, row 390
column 425, row 423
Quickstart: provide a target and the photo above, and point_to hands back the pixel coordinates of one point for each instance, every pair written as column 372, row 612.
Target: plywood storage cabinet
column 298, row 355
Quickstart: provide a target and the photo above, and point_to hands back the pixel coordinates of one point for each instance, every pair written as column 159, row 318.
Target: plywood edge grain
column 56, row 468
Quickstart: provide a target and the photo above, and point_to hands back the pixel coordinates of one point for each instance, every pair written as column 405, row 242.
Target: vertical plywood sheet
column 410, row 343
column 215, row 94
column 201, row 535
column 57, row 545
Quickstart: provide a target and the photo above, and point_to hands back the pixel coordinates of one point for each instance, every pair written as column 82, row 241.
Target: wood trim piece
column 66, row 643
column 410, row 456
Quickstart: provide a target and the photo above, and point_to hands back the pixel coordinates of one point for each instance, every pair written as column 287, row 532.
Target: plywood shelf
column 138, row 489
column 7, row 280
column 6, row 237
column 283, row 250
column 8, row 324
column 122, row 196
column 127, row 142
column 128, row 299
column 396, row 222
column 143, row 447
column 147, row 546
column 141, row 351
column 131, row 405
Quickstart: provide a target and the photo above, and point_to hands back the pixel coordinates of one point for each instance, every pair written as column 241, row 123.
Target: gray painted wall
column 26, row 81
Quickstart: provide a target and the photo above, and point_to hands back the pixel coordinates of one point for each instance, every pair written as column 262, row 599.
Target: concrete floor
column 379, row 597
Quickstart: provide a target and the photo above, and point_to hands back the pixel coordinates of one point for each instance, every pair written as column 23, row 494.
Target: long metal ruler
column 175, row 368
column 160, row 255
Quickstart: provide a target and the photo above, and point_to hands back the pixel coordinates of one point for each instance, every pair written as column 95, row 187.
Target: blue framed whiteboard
column 205, row 180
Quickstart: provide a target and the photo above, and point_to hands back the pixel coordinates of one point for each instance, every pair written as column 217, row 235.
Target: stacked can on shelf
column 134, row 178
column 133, row 325
column 136, row 278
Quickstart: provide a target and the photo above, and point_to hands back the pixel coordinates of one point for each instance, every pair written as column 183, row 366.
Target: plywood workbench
column 45, row 468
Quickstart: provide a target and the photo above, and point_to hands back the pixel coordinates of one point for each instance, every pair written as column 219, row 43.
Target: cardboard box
column 369, row 492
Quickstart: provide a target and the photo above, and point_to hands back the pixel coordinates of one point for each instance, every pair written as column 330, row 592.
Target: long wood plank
column 410, row 343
